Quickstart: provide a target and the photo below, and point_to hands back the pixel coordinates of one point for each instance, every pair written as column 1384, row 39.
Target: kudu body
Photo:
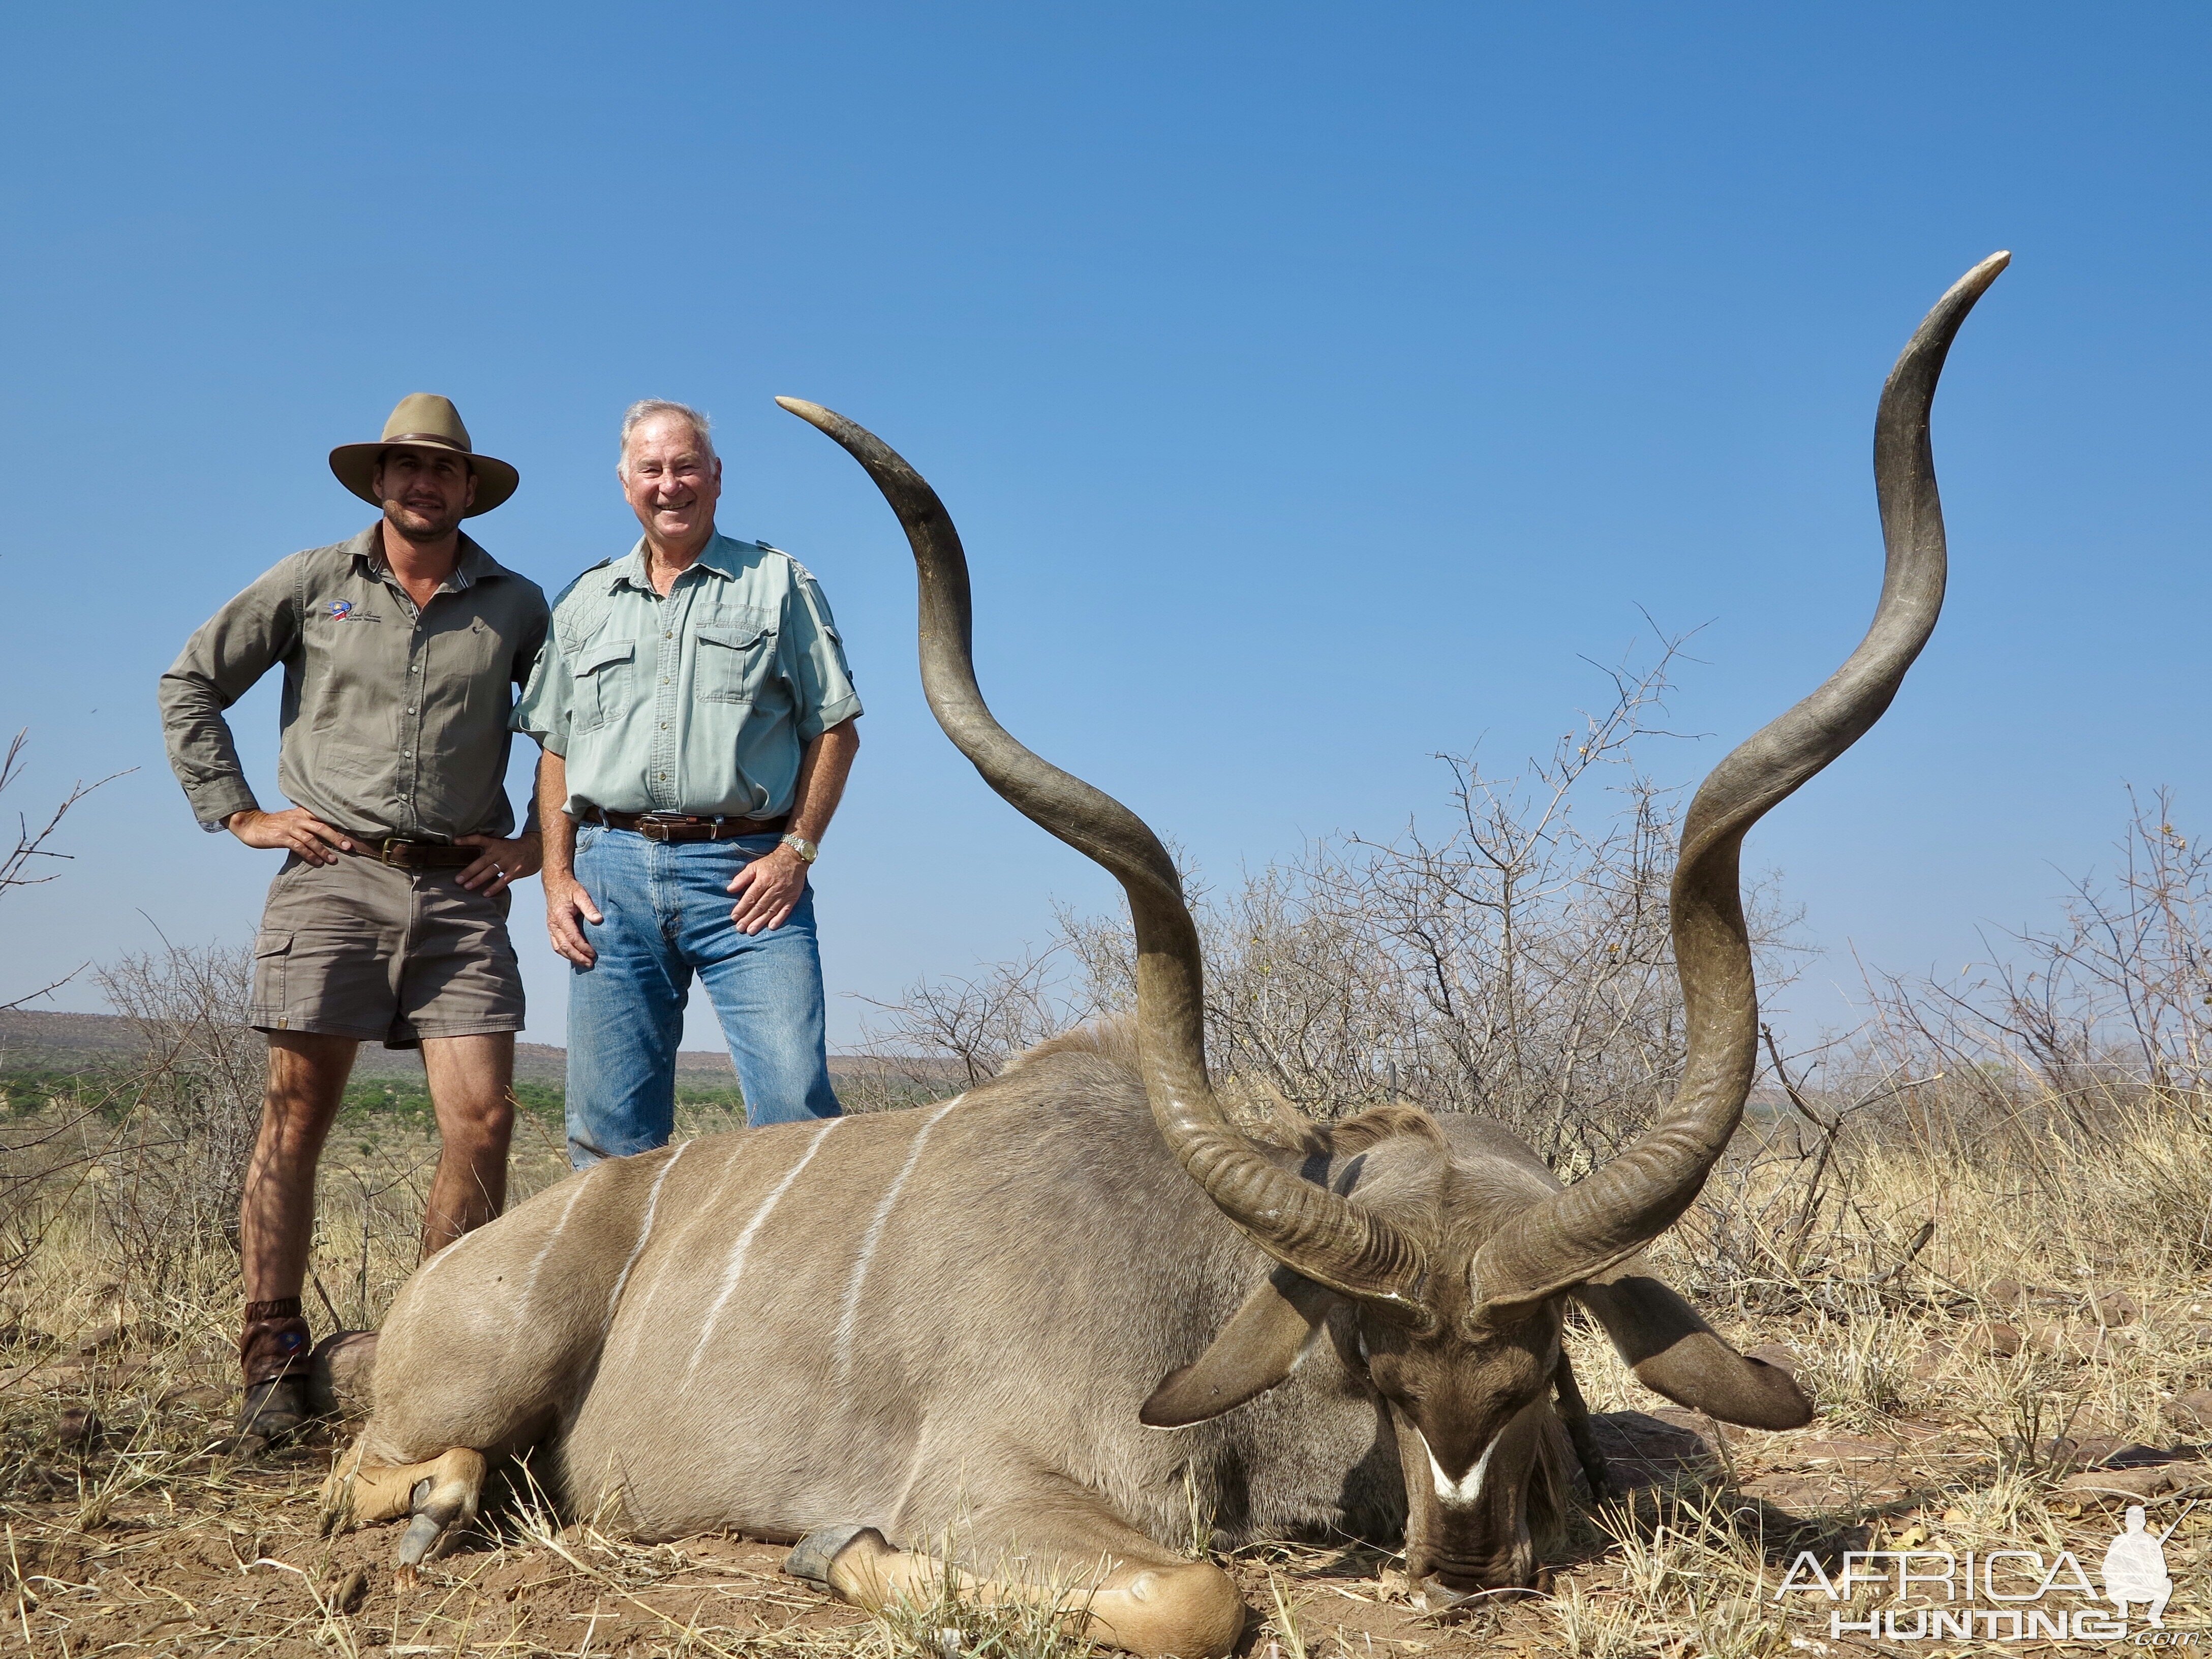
column 1035, row 1324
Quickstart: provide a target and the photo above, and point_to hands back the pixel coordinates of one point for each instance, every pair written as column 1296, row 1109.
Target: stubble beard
column 415, row 526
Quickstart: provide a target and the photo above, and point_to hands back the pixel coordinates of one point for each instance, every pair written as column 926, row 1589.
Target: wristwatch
column 808, row 851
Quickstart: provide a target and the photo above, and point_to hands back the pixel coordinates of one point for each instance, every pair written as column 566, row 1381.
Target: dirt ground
column 116, row 1543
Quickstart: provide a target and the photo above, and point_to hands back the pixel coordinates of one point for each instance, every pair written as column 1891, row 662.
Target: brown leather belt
column 414, row 855
column 669, row 826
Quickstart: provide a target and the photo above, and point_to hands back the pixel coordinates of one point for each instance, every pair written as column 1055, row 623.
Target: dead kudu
column 1035, row 1325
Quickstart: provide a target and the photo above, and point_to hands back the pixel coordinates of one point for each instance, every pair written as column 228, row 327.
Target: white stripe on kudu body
column 645, row 1231
column 848, row 1319
column 731, row 1274
column 529, row 1283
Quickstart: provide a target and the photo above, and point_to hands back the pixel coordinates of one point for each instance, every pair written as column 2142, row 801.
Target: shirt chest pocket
column 606, row 671
column 476, row 662
column 733, row 661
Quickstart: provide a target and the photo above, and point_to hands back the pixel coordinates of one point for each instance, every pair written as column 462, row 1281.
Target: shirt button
column 411, row 708
column 670, row 635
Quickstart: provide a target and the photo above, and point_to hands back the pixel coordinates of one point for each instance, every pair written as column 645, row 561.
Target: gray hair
column 647, row 409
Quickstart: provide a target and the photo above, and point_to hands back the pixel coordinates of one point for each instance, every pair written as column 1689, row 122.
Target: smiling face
column 425, row 492
column 672, row 480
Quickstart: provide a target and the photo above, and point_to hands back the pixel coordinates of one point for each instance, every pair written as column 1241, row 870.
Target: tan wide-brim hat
column 424, row 421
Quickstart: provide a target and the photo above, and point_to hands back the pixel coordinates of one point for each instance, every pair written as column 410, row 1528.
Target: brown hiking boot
column 273, row 1351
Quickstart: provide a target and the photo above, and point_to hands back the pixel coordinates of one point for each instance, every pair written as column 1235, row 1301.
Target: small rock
column 2114, row 1307
column 2190, row 1413
column 2134, row 1485
column 2006, row 1293
column 1991, row 1337
column 1698, row 1424
column 1777, row 1354
column 79, row 1428
column 100, row 1339
column 2058, row 1341
column 2088, row 1445
column 349, row 1592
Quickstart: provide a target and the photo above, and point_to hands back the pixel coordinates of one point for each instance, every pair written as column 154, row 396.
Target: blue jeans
column 668, row 917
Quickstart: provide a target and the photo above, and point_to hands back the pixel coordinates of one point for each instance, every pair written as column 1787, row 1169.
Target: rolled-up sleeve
column 544, row 712
column 220, row 664
column 815, row 662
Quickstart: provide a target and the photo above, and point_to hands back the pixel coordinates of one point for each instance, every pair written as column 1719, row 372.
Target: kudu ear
column 1676, row 1354
column 1256, row 1351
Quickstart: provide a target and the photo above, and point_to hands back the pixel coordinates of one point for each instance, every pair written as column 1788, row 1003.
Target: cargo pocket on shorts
column 271, row 952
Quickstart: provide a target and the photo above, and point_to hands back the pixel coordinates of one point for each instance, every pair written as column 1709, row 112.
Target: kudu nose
column 1439, row 1600
column 1456, row 1586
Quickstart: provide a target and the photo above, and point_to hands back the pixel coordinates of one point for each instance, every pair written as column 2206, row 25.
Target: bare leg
column 472, row 1092
column 276, row 1219
column 1139, row 1597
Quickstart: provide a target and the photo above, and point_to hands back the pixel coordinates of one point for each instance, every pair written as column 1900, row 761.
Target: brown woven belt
column 669, row 826
column 414, row 855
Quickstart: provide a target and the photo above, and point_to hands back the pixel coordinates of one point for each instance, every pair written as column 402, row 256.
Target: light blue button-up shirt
column 701, row 703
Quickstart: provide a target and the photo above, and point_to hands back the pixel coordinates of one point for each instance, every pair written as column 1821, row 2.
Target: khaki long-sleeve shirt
column 395, row 721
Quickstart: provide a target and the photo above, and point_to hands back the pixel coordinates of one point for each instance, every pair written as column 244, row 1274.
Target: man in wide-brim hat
column 401, row 649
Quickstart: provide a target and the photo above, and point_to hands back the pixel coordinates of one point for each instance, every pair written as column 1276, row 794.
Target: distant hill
column 32, row 1042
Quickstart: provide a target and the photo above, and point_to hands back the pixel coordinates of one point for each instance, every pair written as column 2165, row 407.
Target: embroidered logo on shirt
column 341, row 609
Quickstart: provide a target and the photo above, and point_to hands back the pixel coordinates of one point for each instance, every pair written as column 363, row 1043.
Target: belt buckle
column 384, row 853
column 654, row 828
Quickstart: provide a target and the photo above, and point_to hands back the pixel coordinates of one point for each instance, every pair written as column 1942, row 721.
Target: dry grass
column 129, row 1533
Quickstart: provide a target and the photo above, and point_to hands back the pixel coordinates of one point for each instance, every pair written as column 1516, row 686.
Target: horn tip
column 801, row 407
column 1987, row 270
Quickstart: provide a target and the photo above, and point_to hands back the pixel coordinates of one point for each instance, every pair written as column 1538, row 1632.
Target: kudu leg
column 1574, row 1412
column 1136, row 1596
column 436, row 1494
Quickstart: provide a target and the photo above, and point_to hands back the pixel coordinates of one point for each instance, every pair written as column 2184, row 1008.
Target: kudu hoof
column 814, row 1555
column 450, row 1493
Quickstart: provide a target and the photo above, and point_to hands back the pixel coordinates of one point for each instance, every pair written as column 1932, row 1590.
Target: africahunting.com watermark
column 1999, row 1596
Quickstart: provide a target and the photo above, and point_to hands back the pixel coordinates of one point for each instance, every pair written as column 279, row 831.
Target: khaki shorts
column 358, row 949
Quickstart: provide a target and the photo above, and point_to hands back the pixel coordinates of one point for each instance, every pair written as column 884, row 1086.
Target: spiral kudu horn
column 1619, row 1207
column 1328, row 1238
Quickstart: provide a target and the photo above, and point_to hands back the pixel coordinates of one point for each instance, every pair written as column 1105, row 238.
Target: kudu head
column 1445, row 1290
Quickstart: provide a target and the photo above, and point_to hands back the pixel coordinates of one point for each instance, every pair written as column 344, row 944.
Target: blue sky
column 1314, row 386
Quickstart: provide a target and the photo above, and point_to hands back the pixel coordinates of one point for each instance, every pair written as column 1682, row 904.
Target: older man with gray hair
column 697, row 717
